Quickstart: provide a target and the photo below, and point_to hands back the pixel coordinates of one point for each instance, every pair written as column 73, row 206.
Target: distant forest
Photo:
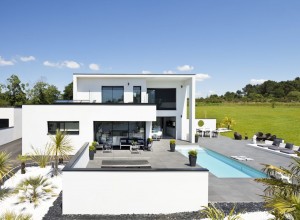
column 17, row 93
column 269, row 91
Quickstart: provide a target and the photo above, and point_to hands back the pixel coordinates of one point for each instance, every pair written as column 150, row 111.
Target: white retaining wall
column 128, row 192
column 14, row 131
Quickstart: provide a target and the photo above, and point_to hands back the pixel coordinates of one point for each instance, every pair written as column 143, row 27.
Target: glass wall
column 108, row 130
column 112, row 94
column 136, row 94
column 165, row 99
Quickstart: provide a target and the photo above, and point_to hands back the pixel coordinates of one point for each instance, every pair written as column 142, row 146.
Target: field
column 280, row 119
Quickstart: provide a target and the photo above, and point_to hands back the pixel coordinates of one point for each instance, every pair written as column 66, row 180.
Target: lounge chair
column 288, row 149
column 267, row 136
column 275, row 143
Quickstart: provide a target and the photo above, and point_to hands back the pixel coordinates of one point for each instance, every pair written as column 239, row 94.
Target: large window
column 105, row 130
column 70, row 127
column 136, row 94
column 112, row 94
column 165, row 99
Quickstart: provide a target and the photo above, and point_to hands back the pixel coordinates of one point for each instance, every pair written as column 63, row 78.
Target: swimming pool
column 220, row 165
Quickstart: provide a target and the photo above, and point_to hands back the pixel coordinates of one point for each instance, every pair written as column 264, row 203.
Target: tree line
column 16, row 93
column 269, row 91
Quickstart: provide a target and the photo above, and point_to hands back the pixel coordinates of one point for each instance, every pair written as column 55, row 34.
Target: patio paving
column 220, row 189
column 160, row 157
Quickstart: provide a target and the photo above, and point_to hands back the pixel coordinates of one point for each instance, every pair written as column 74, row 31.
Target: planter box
column 172, row 147
column 192, row 160
column 91, row 153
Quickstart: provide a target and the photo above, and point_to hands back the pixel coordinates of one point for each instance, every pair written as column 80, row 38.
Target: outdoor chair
column 267, row 136
column 135, row 149
column 108, row 145
column 272, row 146
column 237, row 136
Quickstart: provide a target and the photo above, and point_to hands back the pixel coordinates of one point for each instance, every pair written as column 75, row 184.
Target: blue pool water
column 222, row 166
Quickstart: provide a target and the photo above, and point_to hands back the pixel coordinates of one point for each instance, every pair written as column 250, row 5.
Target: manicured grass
column 282, row 120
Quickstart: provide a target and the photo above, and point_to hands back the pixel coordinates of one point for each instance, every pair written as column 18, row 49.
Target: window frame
column 112, row 93
column 58, row 123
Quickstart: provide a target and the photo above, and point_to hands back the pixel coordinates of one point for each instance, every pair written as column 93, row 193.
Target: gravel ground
column 55, row 212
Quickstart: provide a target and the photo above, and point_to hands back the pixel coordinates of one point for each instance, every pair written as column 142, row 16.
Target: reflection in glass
column 112, row 94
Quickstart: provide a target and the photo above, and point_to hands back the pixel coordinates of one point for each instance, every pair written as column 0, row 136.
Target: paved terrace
column 220, row 189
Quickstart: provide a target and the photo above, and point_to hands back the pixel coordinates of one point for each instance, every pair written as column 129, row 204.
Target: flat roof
column 133, row 74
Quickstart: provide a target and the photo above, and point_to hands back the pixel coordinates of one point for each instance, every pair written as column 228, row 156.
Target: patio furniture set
column 207, row 132
column 134, row 144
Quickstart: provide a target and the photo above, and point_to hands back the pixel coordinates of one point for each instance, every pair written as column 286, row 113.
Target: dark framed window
column 112, row 94
column 4, row 122
column 70, row 127
column 137, row 94
column 165, row 99
column 115, row 130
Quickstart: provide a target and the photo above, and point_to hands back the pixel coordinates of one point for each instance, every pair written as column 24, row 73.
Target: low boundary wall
column 130, row 190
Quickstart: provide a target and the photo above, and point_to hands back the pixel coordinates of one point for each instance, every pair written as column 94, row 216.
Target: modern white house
column 116, row 106
column 10, row 124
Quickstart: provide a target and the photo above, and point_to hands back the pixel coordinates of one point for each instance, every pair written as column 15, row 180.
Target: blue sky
column 229, row 42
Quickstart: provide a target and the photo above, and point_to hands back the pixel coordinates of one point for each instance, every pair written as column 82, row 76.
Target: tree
column 60, row 146
column 15, row 94
column 282, row 193
column 43, row 93
column 228, row 122
column 294, row 96
column 68, row 92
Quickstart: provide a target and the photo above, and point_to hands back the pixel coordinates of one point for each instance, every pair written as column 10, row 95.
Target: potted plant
column 94, row 143
column 193, row 157
column 172, row 145
column 91, row 152
column 196, row 137
column 22, row 159
column 149, row 143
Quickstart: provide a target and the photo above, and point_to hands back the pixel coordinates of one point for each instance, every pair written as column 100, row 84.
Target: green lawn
column 283, row 120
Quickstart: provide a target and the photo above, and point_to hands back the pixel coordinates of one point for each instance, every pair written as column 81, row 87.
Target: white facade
column 36, row 118
column 14, row 130
column 88, row 107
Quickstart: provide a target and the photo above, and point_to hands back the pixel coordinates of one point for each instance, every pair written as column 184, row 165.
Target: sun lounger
column 288, row 149
column 242, row 158
column 274, row 148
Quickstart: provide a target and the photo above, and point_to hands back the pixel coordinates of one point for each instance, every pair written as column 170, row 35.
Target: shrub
column 41, row 156
column 149, row 140
column 10, row 215
column 172, row 141
column 5, row 165
column 92, row 148
column 214, row 213
column 94, row 143
column 35, row 190
column 193, row 153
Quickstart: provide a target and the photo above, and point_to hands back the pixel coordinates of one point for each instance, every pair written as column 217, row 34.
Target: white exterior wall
column 35, row 118
column 181, row 97
column 90, row 89
column 121, row 192
column 14, row 131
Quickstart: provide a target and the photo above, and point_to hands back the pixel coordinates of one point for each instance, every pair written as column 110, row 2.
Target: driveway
column 14, row 148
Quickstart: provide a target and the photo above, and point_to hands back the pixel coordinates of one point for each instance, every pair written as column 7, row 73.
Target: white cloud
column 202, row 76
column 69, row 64
column 146, row 72
column 6, row 62
column 50, row 64
column 185, row 68
column 27, row 59
column 168, row 72
column 257, row 81
column 94, row 66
